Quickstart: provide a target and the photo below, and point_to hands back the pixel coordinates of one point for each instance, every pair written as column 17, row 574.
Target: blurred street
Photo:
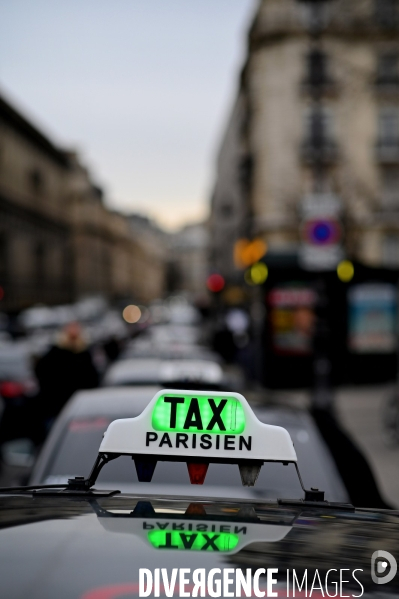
column 360, row 412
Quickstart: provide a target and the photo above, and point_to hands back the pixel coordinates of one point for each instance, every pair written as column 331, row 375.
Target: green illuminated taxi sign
column 193, row 541
column 189, row 413
column 209, row 426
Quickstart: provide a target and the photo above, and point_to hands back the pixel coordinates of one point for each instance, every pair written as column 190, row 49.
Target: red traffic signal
column 215, row 283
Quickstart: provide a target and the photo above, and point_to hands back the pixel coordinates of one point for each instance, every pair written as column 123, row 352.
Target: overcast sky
column 142, row 88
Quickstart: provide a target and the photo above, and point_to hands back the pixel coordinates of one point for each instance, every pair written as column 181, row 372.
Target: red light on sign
column 1, row 293
column 215, row 283
column 197, row 472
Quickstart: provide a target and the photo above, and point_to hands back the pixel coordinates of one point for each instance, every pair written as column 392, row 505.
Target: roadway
column 360, row 412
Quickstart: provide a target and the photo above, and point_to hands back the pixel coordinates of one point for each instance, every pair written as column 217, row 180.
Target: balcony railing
column 322, row 151
column 390, row 204
column 387, row 151
column 387, row 14
column 387, row 85
column 320, row 86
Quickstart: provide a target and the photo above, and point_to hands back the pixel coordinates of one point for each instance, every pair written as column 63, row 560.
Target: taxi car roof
column 154, row 370
column 144, row 370
column 147, row 348
column 94, row 560
column 110, row 400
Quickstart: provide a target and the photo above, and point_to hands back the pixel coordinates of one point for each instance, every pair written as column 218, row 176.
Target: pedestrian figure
column 65, row 368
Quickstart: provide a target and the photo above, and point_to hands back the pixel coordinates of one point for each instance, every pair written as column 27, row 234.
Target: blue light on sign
column 322, row 232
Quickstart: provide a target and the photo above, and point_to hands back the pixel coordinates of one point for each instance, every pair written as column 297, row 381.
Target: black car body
column 88, row 547
column 76, row 540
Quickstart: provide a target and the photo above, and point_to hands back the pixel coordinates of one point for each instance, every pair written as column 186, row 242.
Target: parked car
column 18, row 388
column 146, row 347
column 167, row 373
column 145, row 371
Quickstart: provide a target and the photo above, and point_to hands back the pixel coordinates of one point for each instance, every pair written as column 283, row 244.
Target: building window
column 3, row 257
column 387, row 68
column 390, row 188
column 39, row 254
column 315, row 15
column 35, row 181
column 388, row 126
column 316, row 68
column 387, row 13
column 319, row 144
column 390, row 250
column 245, row 170
column 226, row 210
column 318, row 126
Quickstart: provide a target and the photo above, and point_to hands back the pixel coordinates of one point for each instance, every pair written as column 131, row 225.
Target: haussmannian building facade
column 58, row 240
column 331, row 98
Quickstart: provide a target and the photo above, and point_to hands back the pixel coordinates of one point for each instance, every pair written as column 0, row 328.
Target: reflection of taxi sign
column 197, row 427
column 205, row 536
column 166, row 534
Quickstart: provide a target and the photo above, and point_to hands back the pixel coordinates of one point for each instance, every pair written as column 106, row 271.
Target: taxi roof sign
column 211, row 426
column 199, row 428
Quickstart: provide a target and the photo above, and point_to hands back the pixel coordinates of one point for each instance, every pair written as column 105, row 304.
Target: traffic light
column 215, row 283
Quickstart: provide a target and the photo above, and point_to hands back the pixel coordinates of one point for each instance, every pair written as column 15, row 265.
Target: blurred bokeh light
column 131, row 314
column 257, row 274
column 345, row 271
column 215, row 283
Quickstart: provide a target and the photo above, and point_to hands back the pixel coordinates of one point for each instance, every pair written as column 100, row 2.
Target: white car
column 169, row 373
column 141, row 371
